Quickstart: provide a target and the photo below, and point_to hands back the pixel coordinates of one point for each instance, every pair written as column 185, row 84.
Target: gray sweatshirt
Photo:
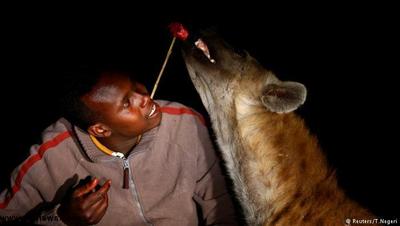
column 172, row 170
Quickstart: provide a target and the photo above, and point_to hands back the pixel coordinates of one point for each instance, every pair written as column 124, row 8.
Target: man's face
column 124, row 105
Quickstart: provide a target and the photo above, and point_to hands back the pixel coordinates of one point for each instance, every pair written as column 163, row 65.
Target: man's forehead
column 104, row 93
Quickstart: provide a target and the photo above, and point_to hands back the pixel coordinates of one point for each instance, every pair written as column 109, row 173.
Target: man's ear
column 99, row 130
column 283, row 97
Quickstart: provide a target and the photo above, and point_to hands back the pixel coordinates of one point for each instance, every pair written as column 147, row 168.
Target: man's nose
column 145, row 98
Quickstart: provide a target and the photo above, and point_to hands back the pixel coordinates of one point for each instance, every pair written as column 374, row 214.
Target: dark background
column 347, row 56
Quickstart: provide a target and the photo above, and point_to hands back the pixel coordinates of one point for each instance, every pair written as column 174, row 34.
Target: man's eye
column 126, row 104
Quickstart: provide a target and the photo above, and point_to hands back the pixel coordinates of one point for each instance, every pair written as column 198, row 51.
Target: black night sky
column 347, row 57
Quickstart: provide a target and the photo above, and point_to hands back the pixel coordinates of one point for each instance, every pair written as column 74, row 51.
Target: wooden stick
column 162, row 68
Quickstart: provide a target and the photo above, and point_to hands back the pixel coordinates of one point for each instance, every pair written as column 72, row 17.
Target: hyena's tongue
column 200, row 44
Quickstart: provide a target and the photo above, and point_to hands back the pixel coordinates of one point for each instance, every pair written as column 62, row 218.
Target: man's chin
column 155, row 120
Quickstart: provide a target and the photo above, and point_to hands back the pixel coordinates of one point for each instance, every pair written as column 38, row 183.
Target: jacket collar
column 95, row 154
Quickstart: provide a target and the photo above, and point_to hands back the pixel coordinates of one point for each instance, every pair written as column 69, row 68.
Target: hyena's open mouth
column 201, row 45
column 199, row 50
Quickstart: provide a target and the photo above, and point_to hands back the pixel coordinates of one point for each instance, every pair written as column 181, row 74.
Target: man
column 120, row 158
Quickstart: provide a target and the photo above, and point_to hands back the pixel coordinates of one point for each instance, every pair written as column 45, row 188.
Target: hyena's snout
column 201, row 49
column 209, row 47
column 209, row 55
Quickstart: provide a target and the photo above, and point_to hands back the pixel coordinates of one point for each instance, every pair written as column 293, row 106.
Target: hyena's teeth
column 200, row 44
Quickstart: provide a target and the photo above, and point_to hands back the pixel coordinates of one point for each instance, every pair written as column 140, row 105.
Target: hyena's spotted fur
column 279, row 173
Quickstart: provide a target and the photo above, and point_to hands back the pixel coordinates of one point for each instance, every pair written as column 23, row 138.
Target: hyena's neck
column 229, row 142
column 280, row 159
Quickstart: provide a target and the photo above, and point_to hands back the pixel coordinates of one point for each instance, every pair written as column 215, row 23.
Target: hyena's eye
column 233, row 47
column 239, row 51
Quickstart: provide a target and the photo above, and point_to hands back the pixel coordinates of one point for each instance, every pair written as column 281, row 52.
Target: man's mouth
column 153, row 111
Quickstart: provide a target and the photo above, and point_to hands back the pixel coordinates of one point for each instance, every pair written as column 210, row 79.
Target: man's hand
column 85, row 205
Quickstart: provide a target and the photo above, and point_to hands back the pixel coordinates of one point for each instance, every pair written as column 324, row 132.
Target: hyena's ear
column 283, row 97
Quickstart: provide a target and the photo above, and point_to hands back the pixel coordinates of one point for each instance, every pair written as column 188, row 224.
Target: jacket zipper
column 128, row 180
column 126, row 174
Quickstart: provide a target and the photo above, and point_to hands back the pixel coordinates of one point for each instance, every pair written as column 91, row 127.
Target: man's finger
column 104, row 189
column 86, row 188
column 97, row 195
column 97, row 211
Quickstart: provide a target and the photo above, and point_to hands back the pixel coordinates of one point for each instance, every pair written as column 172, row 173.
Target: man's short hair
column 77, row 83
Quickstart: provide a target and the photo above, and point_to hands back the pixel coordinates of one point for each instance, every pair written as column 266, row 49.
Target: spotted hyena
column 279, row 173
